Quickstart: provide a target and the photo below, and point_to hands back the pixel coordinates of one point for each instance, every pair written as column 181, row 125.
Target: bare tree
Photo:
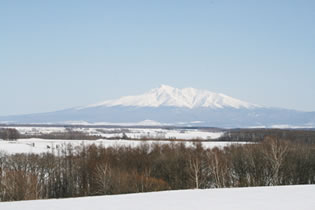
column 218, row 168
column 103, row 177
column 196, row 165
column 275, row 151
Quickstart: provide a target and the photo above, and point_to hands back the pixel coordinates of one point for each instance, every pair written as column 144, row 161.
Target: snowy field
column 38, row 146
column 135, row 133
column 300, row 197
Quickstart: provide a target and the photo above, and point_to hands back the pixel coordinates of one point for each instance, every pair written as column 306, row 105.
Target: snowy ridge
column 186, row 98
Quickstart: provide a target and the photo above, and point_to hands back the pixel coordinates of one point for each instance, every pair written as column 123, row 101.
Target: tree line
column 257, row 135
column 95, row 170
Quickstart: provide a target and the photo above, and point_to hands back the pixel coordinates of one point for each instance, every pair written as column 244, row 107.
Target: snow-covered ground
column 136, row 133
column 257, row 198
column 38, row 146
column 37, row 130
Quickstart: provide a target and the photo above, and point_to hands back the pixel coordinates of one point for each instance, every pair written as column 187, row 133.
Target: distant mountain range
column 167, row 105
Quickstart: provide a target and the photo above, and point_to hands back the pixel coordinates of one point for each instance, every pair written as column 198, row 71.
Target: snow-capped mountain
column 167, row 105
column 186, row 98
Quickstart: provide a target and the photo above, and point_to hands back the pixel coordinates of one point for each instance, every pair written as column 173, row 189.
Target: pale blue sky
column 59, row 54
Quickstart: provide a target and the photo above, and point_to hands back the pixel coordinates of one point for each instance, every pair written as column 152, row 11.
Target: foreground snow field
column 37, row 146
column 299, row 197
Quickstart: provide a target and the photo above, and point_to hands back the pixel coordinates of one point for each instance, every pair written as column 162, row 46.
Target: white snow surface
column 135, row 133
column 38, row 146
column 169, row 96
column 255, row 198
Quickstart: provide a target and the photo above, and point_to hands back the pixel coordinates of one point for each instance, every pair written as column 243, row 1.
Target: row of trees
column 95, row 170
column 257, row 135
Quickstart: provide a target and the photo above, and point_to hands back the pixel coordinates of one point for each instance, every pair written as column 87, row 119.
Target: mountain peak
column 165, row 87
column 167, row 95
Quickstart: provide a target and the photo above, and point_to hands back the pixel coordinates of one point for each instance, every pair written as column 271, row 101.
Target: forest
column 95, row 170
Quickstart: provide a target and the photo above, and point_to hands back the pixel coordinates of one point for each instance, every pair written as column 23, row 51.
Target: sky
column 59, row 54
